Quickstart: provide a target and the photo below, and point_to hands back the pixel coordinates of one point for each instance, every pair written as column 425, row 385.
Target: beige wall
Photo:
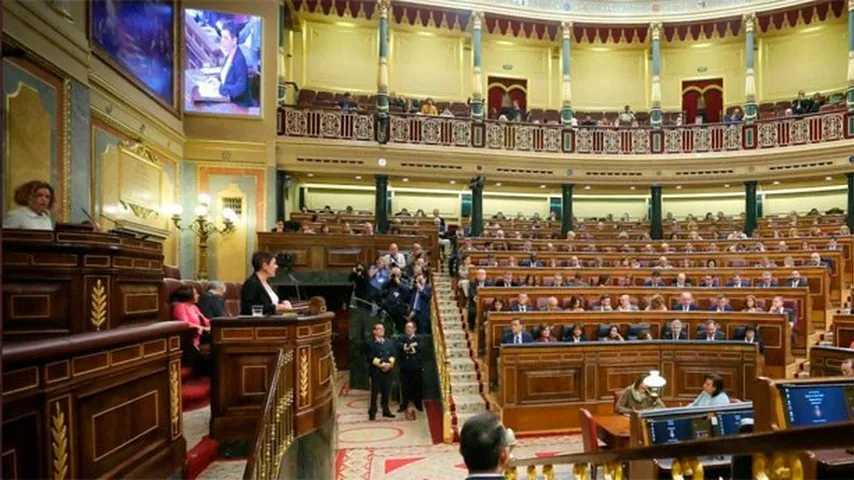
column 329, row 56
column 604, row 78
column 534, row 62
column 448, row 202
column 511, row 205
column 583, row 207
column 700, row 205
column 414, row 67
column 783, row 203
column 339, row 197
column 812, row 58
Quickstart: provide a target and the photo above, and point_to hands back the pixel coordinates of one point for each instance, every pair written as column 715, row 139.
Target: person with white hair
column 212, row 301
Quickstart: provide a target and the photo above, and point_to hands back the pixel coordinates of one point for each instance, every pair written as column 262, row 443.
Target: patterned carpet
column 397, row 449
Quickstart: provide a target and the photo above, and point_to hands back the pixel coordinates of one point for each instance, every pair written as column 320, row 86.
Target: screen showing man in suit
column 222, row 63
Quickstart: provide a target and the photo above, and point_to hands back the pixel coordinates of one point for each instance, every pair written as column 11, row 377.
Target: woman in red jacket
column 184, row 308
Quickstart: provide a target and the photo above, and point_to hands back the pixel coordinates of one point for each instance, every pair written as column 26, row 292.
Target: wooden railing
column 275, row 425
column 775, row 454
column 442, row 368
column 556, row 138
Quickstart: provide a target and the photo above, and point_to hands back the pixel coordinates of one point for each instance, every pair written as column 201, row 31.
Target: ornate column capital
column 384, row 6
column 566, row 28
column 477, row 18
column 749, row 20
column 655, row 31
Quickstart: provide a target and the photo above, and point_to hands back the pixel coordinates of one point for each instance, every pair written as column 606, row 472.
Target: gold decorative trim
column 66, row 151
column 59, row 444
column 175, row 398
column 98, row 305
column 304, row 358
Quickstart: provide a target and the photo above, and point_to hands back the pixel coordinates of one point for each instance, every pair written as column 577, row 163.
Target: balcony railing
column 554, row 138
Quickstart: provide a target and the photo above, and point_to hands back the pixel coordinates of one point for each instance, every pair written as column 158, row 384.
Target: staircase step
column 457, row 352
column 468, row 388
column 469, row 404
column 463, row 377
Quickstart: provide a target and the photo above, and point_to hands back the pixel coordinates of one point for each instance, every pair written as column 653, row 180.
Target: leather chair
column 589, row 439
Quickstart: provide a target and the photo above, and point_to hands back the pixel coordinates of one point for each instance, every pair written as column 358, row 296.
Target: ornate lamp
column 655, row 382
column 204, row 227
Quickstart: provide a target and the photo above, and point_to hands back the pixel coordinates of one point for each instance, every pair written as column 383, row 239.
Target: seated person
column 575, row 335
column 682, row 281
column 613, row 335
column 710, row 332
column 767, row 280
column 777, row 306
column 545, row 334
column 655, row 280
column 212, row 302
column 517, row 334
column 751, row 336
column 750, row 305
column 638, row 397
column 604, row 304
column 626, row 304
column 674, row 331
column 738, row 282
column 796, row 280
column 35, row 200
column 506, row 280
column 686, row 303
column 280, row 226
column 720, row 304
column 184, row 309
column 713, row 394
column 847, row 366
column 552, row 305
column 497, row 305
column 531, row 261
column 709, row 281
column 645, row 334
column 256, row 290
column 575, row 304
column 656, row 304
column 523, row 304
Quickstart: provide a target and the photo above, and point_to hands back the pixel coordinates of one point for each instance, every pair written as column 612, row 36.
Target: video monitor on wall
column 137, row 38
column 222, row 63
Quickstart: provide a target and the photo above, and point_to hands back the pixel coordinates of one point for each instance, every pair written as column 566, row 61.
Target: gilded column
column 566, row 107
column 477, row 73
column 849, row 94
column 655, row 117
column 382, row 77
column 750, row 108
column 656, row 229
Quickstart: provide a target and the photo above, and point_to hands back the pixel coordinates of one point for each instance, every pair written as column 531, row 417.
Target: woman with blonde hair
column 656, row 304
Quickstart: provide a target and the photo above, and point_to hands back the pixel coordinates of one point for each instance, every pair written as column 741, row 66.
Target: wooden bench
column 843, row 330
column 773, row 329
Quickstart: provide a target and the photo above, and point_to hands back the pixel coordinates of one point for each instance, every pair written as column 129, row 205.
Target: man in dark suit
column 517, row 334
column 796, row 280
column 655, row 280
column 478, row 283
column 409, row 352
column 531, row 261
column 212, row 302
column 767, row 280
column 674, row 331
column 419, row 307
column 711, row 332
column 506, row 280
column 523, row 304
column 738, row 282
column 381, row 358
column 750, row 336
column 682, row 281
column 485, row 447
column 721, row 304
column 234, row 79
column 686, row 303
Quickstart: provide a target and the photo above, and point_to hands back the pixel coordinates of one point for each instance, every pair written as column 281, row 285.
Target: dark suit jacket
column 508, row 338
column 668, row 334
column 727, row 308
column 802, row 282
column 236, row 85
column 529, row 263
column 253, row 293
column 531, row 308
column 659, row 283
column 568, row 338
column 761, row 284
column 504, row 283
column 719, row 336
column 680, row 308
column 213, row 306
column 744, row 283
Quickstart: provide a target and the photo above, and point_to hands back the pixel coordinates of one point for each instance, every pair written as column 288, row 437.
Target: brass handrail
column 441, row 367
column 275, row 432
column 773, row 452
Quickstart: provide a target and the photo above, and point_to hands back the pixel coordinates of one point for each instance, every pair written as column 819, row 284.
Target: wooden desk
column 843, row 330
column 614, row 430
column 827, row 361
column 543, row 386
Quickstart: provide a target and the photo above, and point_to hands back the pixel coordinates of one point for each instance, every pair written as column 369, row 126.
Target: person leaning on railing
column 637, row 397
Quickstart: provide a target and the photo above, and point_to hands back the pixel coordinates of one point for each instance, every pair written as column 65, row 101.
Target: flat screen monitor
column 678, row 429
column 729, row 423
column 817, row 404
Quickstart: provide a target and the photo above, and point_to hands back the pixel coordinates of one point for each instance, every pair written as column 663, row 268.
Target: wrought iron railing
column 442, row 368
column 555, row 138
column 275, row 432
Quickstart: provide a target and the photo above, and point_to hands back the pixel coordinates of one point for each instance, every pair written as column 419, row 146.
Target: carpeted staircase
column 465, row 381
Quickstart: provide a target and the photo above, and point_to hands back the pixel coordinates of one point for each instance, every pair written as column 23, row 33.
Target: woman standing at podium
column 256, row 290
column 35, row 200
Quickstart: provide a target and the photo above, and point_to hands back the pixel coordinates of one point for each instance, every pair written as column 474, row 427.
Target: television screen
column 137, row 37
column 222, row 63
column 817, row 404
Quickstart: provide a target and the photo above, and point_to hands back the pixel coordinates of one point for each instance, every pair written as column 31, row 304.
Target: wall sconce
column 204, row 227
